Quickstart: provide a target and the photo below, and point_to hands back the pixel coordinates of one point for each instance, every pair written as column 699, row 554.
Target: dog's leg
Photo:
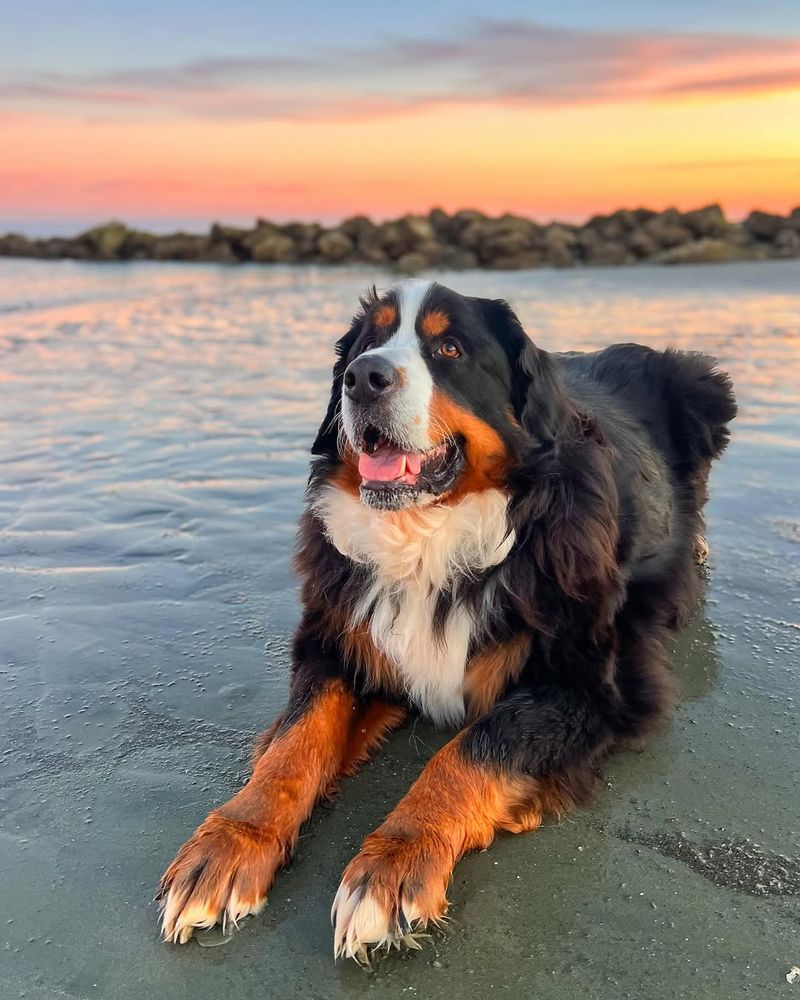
column 531, row 755
column 224, row 871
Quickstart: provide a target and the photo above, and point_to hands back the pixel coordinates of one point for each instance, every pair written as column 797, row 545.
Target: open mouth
column 392, row 477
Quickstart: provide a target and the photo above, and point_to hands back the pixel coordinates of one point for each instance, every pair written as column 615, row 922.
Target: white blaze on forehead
column 410, row 411
column 411, row 297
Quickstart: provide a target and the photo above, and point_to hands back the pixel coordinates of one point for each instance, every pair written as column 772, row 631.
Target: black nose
column 369, row 377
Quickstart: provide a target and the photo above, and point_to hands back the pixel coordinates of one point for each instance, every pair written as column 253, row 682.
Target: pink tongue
column 387, row 464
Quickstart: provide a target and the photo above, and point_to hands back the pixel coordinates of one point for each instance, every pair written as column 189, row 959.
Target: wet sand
column 154, row 425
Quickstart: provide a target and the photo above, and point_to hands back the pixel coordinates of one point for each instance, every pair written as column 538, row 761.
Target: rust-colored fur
column 492, row 670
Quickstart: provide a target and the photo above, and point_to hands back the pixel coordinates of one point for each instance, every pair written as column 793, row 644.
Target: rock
column 707, row 221
column 424, row 255
column 268, row 244
column 560, row 232
column 522, row 260
column 304, row 236
column 334, row 246
column 470, row 236
column 667, row 229
column 220, row 233
column 412, row 262
column 787, row 242
column 503, row 243
column 418, row 229
column 709, row 251
column 403, row 236
column 357, row 226
column 505, row 236
column 509, row 221
column 16, row 245
column 764, row 225
column 614, row 228
column 431, row 250
column 180, row 246
column 560, row 244
column 453, row 259
column 607, row 254
column 273, row 248
column 56, row 248
column 393, row 240
column 367, row 237
column 105, row 242
column 465, row 228
column 642, row 244
column 464, row 216
column 626, row 218
column 138, row 245
column 221, row 252
column 596, row 250
column 369, row 249
column 441, row 222
column 228, row 244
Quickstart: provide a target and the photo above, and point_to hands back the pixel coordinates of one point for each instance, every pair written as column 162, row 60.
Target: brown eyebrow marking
column 385, row 314
column 434, row 323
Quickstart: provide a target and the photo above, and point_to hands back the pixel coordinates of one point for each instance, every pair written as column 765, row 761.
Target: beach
column 155, row 423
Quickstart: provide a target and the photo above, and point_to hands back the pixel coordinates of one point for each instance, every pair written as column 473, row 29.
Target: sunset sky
column 176, row 113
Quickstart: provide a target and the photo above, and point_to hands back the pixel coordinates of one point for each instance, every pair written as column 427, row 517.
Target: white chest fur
column 414, row 554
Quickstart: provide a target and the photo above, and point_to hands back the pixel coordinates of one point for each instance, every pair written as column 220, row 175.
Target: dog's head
column 434, row 395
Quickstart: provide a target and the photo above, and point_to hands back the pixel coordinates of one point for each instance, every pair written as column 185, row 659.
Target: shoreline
column 464, row 240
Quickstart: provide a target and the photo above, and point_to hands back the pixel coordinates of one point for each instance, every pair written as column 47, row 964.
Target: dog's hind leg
column 700, row 550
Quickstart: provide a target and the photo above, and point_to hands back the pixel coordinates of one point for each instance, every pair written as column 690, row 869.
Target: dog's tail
column 701, row 404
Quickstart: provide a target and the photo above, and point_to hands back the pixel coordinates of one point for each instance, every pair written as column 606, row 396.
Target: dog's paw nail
column 220, row 876
column 365, row 921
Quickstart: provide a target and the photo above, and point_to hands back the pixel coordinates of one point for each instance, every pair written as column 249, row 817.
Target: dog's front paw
column 389, row 893
column 221, row 874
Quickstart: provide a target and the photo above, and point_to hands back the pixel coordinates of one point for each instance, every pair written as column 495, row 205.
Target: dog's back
column 680, row 398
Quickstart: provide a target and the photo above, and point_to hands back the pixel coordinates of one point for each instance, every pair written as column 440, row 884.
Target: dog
column 498, row 538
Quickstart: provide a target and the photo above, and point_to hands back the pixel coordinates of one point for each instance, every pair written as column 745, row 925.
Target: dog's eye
column 449, row 349
column 368, row 344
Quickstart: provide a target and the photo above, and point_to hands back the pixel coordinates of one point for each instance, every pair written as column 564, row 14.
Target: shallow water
column 154, row 426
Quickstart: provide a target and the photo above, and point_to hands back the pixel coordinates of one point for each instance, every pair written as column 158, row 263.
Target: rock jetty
column 465, row 239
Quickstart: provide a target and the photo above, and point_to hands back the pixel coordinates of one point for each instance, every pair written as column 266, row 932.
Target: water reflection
column 694, row 655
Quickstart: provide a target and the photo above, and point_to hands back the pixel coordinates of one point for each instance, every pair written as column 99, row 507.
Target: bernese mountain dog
column 498, row 538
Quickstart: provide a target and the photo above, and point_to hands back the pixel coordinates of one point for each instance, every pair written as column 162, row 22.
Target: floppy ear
column 537, row 395
column 326, row 441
